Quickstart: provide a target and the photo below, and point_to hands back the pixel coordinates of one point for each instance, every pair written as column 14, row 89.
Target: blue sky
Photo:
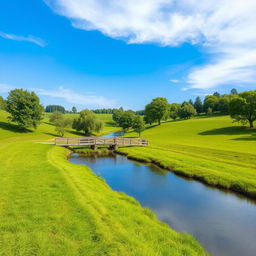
column 95, row 54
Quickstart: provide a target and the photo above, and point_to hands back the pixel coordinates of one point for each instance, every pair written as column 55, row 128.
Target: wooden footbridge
column 93, row 142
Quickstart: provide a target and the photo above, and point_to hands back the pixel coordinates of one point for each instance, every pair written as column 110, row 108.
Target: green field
column 49, row 206
column 211, row 149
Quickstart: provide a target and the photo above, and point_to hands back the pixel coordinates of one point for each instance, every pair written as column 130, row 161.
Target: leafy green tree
column 25, row 108
column 158, row 109
column 138, row 125
column 242, row 108
column 209, row 111
column 87, row 122
column 74, row 110
column 117, row 115
column 191, row 102
column 2, row 103
column 233, row 91
column 61, row 125
column 223, row 104
column 55, row 116
column 148, row 117
column 187, row 111
column 211, row 101
column 174, row 110
column 126, row 120
column 216, row 94
column 198, row 105
column 60, row 121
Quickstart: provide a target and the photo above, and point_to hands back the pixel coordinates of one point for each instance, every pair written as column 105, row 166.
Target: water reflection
column 224, row 223
column 114, row 134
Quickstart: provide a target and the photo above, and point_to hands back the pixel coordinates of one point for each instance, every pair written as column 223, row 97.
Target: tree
column 74, row 110
column 216, row 94
column 198, row 105
column 223, row 104
column 191, row 102
column 117, row 115
column 2, row 103
column 187, row 111
column 60, row 121
column 242, row 108
column 24, row 107
column 233, row 91
column 52, row 108
column 209, row 111
column 148, row 117
column 211, row 101
column 61, row 125
column 55, row 116
column 126, row 120
column 158, row 109
column 87, row 122
column 174, row 110
column 138, row 125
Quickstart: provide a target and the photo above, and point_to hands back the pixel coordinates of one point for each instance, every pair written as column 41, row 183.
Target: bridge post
column 113, row 147
column 94, row 147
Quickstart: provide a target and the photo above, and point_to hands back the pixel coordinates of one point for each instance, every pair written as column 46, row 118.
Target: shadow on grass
column 249, row 138
column 51, row 134
column 14, row 128
column 111, row 123
column 48, row 123
column 77, row 133
column 232, row 130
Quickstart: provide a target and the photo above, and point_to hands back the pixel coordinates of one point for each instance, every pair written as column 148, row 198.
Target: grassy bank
column 213, row 150
column 51, row 207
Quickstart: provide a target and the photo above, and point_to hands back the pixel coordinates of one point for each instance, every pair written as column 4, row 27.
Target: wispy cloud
column 88, row 99
column 174, row 81
column 76, row 98
column 31, row 39
column 5, row 88
column 224, row 28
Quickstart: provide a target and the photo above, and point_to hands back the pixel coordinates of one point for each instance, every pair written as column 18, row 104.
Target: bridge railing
column 89, row 141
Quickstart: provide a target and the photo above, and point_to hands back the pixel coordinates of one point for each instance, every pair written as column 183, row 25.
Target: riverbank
column 51, row 207
column 184, row 204
column 212, row 150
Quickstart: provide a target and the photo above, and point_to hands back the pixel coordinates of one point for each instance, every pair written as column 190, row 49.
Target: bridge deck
column 100, row 141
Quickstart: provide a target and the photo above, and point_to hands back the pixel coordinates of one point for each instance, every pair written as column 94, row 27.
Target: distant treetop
column 52, row 108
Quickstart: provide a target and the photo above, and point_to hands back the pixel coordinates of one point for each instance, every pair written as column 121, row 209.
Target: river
column 224, row 223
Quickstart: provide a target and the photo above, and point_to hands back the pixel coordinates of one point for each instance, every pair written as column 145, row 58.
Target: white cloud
column 5, row 88
column 30, row 39
column 174, row 81
column 76, row 98
column 84, row 99
column 224, row 28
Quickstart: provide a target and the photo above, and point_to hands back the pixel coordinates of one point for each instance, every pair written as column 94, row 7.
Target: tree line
column 25, row 109
column 240, row 106
column 52, row 108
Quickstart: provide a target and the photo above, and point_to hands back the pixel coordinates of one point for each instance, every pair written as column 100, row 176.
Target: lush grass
column 213, row 150
column 49, row 206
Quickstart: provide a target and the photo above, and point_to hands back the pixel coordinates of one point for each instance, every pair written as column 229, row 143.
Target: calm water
column 114, row 134
column 223, row 223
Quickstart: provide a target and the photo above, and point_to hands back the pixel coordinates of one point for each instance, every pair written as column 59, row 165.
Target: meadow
column 49, row 206
column 213, row 150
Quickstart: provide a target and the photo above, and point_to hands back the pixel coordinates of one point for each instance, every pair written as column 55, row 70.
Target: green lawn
column 49, row 206
column 213, row 150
